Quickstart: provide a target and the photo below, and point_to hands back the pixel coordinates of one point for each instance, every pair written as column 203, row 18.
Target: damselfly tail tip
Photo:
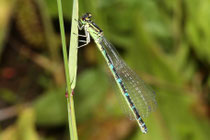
column 144, row 131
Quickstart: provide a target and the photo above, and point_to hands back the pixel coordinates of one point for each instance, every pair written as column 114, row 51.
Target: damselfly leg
column 86, row 41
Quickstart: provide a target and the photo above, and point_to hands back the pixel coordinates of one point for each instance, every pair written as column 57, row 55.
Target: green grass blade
column 70, row 101
column 73, row 45
column 73, row 60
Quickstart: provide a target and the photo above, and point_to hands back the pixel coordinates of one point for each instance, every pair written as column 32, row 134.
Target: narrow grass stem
column 70, row 101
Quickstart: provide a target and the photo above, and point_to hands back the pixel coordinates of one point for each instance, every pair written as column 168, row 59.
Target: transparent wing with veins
column 141, row 94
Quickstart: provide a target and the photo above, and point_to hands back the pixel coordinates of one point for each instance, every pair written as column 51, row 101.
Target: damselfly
column 139, row 97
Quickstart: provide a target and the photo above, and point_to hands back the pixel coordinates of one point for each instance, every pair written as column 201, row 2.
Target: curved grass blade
column 73, row 45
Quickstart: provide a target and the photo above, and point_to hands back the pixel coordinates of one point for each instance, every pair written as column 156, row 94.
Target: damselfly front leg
column 86, row 35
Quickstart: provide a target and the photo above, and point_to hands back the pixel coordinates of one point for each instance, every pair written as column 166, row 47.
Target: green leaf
column 50, row 108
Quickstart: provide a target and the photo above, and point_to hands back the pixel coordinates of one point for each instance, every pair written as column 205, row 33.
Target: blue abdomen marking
column 126, row 94
column 119, row 80
column 111, row 66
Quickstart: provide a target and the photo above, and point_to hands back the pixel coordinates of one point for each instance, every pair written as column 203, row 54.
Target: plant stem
column 70, row 102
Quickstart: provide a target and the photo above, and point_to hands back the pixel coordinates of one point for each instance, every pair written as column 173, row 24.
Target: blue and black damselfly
column 138, row 96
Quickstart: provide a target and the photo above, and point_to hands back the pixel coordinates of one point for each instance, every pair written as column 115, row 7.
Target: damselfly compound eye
column 86, row 17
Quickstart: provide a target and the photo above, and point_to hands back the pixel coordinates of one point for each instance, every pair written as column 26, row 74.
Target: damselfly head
column 86, row 17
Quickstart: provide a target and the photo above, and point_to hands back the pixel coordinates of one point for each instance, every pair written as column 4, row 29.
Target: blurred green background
column 166, row 42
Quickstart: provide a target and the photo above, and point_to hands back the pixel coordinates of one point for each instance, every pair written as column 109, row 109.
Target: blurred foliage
column 24, row 129
column 5, row 14
column 165, row 42
column 54, row 105
column 7, row 95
